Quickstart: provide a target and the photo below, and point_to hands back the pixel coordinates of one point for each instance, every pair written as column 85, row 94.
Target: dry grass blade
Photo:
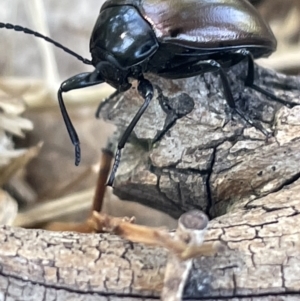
column 11, row 159
column 8, row 208
column 10, row 105
column 56, row 209
column 18, row 160
column 10, row 121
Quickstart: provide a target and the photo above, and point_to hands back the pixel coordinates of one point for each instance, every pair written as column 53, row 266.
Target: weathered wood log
column 204, row 160
column 261, row 260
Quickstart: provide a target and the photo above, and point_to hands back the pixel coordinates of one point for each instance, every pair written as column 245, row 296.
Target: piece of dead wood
column 190, row 231
column 206, row 159
column 260, row 261
column 229, row 169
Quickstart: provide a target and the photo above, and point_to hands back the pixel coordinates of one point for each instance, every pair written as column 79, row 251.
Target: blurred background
column 38, row 180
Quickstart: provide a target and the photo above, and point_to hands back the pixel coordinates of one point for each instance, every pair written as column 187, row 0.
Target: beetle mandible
column 173, row 39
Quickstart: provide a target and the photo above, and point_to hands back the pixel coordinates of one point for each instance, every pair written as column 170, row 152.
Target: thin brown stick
column 106, row 159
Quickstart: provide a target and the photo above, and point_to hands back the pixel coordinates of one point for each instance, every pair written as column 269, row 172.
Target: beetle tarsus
column 114, row 168
column 257, row 125
column 77, row 154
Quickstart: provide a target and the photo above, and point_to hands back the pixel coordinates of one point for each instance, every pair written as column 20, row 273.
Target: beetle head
column 108, row 72
column 121, row 43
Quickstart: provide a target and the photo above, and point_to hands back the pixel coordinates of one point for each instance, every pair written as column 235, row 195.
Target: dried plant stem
column 106, row 159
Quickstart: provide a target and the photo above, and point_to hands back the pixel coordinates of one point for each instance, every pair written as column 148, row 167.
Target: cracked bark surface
column 208, row 158
column 205, row 160
column 260, row 260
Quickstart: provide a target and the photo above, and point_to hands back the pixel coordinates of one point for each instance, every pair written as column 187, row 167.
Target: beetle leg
column 249, row 81
column 229, row 97
column 145, row 89
column 105, row 101
column 231, row 103
column 78, row 81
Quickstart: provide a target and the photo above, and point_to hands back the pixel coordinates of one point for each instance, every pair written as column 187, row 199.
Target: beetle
column 173, row 39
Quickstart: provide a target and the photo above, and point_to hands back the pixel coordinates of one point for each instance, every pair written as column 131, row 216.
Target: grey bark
column 205, row 160
column 208, row 158
column 260, row 260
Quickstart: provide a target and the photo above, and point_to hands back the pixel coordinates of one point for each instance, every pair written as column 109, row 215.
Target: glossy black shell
column 185, row 31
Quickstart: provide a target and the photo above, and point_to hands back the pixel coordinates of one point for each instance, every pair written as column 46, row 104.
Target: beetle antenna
column 38, row 35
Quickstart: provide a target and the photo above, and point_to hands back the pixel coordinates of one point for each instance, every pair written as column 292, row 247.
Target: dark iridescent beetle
column 171, row 38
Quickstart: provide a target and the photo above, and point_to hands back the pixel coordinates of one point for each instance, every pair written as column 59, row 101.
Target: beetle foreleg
column 145, row 89
column 78, row 81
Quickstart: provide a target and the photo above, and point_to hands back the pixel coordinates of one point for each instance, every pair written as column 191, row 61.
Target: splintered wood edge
column 191, row 230
column 261, row 256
